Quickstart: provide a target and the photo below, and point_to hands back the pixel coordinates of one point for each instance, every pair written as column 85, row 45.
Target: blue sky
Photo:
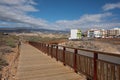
column 53, row 10
column 60, row 14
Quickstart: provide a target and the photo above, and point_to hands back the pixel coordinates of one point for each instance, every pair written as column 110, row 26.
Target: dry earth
column 8, row 72
column 94, row 45
column 8, row 56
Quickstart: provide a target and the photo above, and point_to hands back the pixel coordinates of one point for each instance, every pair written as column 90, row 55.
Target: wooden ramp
column 34, row 65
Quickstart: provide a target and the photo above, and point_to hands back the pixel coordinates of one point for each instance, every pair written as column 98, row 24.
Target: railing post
column 75, row 60
column 57, row 52
column 41, row 46
column 51, row 51
column 48, row 49
column 95, row 66
column 64, row 56
column 38, row 46
column 44, row 48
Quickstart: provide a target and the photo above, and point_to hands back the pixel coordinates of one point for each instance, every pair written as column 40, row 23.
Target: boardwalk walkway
column 34, row 65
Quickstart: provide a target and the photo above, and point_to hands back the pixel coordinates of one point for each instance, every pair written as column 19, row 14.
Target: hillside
column 8, row 56
column 94, row 45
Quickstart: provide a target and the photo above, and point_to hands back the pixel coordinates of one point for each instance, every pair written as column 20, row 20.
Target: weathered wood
column 51, row 51
column 108, row 71
column 118, row 72
column 92, row 67
column 48, row 49
column 34, row 65
column 82, row 65
column 69, row 58
column 60, row 56
column 64, row 49
column 95, row 65
column 75, row 60
column 57, row 53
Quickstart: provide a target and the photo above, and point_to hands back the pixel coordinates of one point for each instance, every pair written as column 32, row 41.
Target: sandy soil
column 94, row 45
column 9, row 71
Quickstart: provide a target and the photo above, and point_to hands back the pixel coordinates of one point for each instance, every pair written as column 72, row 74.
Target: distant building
column 113, row 32
column 94, row 33
column 75, row 34
column 103, row 33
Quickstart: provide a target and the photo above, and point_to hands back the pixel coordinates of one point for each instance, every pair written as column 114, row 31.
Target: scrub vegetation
column 7, row 42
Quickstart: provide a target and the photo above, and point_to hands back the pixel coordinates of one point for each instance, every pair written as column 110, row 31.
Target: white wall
column 94, row 33
column 97, row 34
column 73, row 34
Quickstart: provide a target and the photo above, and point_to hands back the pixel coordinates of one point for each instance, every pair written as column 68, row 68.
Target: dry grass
column 7, row 42
column 93, row 45
column 45, row 38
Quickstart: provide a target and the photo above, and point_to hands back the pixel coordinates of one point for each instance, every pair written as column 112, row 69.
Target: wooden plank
column 106, row 70
column 113, row 72
column 118, row 72
column 34, row 65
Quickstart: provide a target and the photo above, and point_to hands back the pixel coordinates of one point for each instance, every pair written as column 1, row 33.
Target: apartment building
column 75, row 34
column 113, row 32
column 94, row 33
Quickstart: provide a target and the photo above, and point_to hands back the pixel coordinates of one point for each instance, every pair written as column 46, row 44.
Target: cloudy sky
column 60, row 14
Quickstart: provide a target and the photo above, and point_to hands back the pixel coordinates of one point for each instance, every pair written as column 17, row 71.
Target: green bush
column 33, row 38
column 8, row 40
column 10, row 43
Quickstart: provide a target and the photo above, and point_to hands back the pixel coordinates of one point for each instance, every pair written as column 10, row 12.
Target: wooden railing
column 95, row 65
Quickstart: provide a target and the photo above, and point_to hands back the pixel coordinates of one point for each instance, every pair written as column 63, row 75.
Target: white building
column 94, row 33
column 103, row 33
column 75, row 34
column 113, row 32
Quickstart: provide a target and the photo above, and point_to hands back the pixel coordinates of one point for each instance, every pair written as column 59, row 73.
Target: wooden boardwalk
column 34, row 65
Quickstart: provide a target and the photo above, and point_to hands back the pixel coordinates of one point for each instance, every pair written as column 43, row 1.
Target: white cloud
column 16, row 11
column 88, row 18
column 21, row 5
column 109, row 6
column 86, row 21
column 94, row 17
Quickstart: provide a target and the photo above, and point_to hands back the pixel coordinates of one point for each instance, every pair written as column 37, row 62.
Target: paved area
column 34, row 65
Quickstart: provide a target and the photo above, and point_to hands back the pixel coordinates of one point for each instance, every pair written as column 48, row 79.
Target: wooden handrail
column 92, row 67
column 88, row 50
